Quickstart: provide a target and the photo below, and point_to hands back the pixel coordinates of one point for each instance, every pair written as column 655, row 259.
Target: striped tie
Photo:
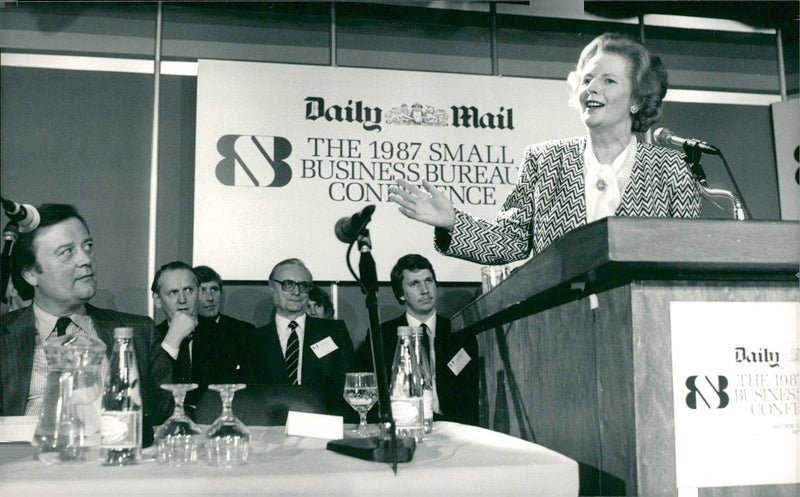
column 292, row 354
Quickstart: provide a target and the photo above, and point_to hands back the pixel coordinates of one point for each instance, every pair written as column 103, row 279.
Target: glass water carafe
column 69, row 423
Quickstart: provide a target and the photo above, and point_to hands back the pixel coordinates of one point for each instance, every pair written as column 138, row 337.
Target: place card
column 306, row 424
column 17, row 428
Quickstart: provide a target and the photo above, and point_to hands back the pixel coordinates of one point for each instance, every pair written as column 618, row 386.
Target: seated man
column 57, row 261
column 296, row 349
column 454, row 357
column 175, row 290
column 226, row 350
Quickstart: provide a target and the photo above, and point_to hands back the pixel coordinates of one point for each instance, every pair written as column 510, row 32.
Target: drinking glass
column 227, row 439
column 178, row 440
column 491, row 276
column 361, row 392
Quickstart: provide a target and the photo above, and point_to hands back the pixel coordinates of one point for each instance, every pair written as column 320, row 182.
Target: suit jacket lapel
column 275, row 361
column 561, row 204
column 575, row 182
column 311, row 335
column 632, row 197
column 104, row 327
column 24, row 331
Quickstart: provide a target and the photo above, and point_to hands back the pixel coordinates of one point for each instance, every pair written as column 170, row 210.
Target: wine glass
column 361, row 392
column 178, row 440
column 227, row 439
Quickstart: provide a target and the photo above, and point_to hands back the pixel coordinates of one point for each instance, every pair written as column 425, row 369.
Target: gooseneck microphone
column 26, row 217
column 667, row 138
column 347, row 229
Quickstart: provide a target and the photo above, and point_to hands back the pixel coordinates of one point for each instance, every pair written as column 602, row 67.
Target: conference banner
column 736, row 380
column 284, row 151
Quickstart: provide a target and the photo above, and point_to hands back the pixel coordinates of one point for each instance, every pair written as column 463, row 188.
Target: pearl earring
column 634, row 109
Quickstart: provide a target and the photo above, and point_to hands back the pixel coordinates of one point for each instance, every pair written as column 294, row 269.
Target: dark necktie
column 182, row 372
column 62, row 324
column 292, row 356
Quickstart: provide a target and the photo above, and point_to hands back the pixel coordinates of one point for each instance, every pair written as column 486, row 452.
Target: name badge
column 324, row 347
column 459, row 361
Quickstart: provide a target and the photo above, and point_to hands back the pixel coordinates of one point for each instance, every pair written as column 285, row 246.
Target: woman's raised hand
column 427, row 204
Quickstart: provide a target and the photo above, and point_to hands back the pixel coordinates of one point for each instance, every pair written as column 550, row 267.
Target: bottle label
column 118, row 429
column 427, row 403
column 406, row 412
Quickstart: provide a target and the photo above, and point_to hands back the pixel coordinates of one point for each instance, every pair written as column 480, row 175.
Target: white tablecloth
column 454, row 460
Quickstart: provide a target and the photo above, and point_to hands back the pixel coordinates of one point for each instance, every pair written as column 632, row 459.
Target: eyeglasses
column 289, row 285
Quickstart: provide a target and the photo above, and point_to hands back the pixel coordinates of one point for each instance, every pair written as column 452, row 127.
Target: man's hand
column 180, row 326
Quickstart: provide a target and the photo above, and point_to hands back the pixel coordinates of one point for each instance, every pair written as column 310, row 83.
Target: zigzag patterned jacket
column 548, row 201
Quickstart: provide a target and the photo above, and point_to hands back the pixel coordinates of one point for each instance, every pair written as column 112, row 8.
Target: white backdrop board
column 284, row 151
column 736, row 380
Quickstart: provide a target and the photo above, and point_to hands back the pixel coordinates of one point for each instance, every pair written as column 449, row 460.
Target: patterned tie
column 426, row 340
column 292, row 354
column 62, row 324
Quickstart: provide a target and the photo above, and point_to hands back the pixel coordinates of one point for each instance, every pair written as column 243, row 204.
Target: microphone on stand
column 26, row 217
column 347, row 229
column 667, row 138
column 694, row 149
column 10, row 235
column 392, row 448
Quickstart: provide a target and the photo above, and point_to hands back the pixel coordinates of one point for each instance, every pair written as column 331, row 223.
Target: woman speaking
column 618, row 87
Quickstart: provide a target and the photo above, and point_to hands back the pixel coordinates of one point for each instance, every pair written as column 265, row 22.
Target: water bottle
column 427, row 377
column 121, row 415
column 405, row 392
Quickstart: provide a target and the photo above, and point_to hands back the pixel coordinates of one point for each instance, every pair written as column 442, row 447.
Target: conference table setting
column 454, row 459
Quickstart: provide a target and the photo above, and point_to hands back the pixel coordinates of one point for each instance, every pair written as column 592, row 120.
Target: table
column 454, row 460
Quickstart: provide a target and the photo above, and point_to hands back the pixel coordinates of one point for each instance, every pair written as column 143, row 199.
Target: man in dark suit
column 221, row 337
column 56, row 260
column 455, row 356
column 175, row 291
column 295, row 349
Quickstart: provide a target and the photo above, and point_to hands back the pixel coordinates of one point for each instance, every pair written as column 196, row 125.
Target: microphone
column 25, row 216
column 667, row 138
column 347, row 229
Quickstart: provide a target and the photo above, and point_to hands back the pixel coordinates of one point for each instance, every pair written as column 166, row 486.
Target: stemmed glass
column 227, row 439
column 361, row 392
column 178, row 439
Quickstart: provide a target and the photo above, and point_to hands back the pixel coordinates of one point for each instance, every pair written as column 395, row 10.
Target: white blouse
column 605, row 183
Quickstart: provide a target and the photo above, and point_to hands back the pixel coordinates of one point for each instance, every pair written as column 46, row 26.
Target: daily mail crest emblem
column 417, row 115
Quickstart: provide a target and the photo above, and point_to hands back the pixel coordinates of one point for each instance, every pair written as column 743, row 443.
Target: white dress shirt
column 282, row 324
column 45, row 331
column 431, row 324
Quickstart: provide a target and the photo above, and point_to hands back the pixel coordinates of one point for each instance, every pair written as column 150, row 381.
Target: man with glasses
column 296, row 349
column 224, row 333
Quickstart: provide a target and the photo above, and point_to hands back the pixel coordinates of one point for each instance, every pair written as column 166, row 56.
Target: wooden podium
column 578, row 339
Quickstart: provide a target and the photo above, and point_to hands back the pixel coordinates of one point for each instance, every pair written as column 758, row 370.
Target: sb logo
column 254, row 160
column 706, row 392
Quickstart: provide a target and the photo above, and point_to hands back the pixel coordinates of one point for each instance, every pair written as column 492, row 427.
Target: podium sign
column 736, row 378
